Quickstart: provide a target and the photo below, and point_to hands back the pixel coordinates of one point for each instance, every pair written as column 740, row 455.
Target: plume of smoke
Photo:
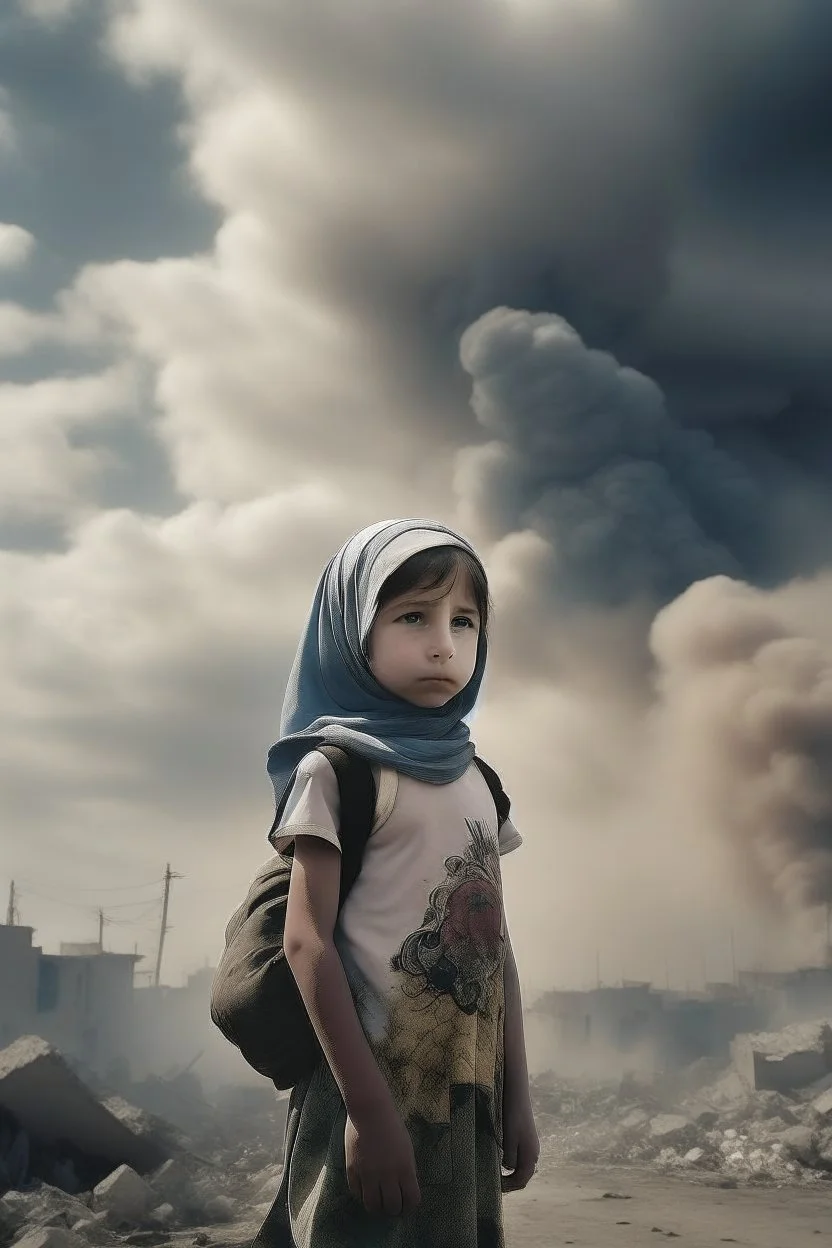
column 703, row 733
column 586, row 454
column 744, row 726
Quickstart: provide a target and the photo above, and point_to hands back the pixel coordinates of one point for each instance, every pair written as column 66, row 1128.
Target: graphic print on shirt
column 445, row 1014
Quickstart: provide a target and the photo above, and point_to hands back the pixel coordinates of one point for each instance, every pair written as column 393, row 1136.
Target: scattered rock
column 124, row 1195
column 822, row 1105
column 43, row 1206
column 799, row 1144
column 164, row 1214
column 793, row 1057
column 50, row 1237
column 220, row 1209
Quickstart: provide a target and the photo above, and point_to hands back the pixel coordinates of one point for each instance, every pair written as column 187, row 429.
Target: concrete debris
column 822, row 1105
column 50, row 1237
column 43, row 1206
column 83, row 1166
column 778, row 1060
column 124, row 1196
column 724, row 1125
column 670, row 1127
column 172, row 1182
column 54, row 1128
column 220, row 1209
column 164, row 1214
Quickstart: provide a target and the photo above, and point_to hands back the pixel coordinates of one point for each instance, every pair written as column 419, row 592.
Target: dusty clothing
column 422, row 939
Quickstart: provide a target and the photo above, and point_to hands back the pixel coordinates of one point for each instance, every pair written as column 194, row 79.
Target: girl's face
column 423, row 645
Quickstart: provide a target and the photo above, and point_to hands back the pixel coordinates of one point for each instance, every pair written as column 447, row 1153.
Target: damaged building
column 85, row 1002
column 637, row 1026
column 79, row 999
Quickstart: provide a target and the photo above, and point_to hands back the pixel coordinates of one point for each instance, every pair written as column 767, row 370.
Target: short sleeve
column 313, row 806
column 509, row 837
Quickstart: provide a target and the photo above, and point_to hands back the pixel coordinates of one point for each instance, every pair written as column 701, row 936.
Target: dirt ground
column 569, row 1206
column 618, row 1207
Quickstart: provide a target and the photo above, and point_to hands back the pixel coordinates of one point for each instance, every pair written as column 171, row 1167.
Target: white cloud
column 140, row 689
column 43, row 474
column 16, row 245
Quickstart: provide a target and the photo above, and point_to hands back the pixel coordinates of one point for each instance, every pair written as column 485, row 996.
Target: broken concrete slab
column 164, row 1215
column 800, row 1144
column 124, row 1196
column 666, row 1127
column 50, row 1237
column 221, row 1209
column 53, row 1104
column 822, row 1105
column 43, row 1206
column 794, row 1057
column 172, row 1183
column 94, row 1230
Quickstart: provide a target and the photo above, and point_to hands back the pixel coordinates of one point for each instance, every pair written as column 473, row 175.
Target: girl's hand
column 381, row 1166
column 521, row 1144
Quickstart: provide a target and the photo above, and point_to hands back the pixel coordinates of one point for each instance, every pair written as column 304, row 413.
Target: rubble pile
column 81, row 1164
column 699, row 1120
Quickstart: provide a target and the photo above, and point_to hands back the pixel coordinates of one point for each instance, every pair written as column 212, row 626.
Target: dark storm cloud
column 634, row 505
column 657, row 174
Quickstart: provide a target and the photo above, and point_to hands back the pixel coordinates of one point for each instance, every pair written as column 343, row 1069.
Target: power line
column 84, row 905
column 113, row 888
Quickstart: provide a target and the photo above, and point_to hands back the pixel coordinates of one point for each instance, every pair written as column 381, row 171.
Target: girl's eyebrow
column 465, row 609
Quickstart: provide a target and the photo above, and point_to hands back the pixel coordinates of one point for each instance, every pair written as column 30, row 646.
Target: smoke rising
column 745, row 711
column 687, row 726
column 589, row 457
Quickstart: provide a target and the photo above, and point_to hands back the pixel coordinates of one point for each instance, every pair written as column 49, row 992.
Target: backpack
column 255, row 1001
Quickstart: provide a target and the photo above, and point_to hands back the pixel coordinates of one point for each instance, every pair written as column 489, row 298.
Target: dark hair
column 428, row 569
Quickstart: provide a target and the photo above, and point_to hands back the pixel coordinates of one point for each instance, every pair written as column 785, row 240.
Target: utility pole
column 100, row 930
column 169, row 875
column 10, row 911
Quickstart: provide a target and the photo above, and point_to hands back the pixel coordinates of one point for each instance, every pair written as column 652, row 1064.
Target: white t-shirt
column 431, row 865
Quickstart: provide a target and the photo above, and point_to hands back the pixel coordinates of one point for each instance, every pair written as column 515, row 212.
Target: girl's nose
column 443, row 647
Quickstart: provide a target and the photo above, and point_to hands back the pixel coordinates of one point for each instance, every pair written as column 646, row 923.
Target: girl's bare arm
column 311, row 912
column 515, row 1060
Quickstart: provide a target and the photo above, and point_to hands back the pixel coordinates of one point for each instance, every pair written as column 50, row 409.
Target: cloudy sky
column 557, row 273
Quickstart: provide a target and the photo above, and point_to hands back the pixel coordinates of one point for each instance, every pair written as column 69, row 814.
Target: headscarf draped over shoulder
column 332, row 696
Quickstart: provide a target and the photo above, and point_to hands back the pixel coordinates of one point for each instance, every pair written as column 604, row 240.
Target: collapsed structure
column 82, row 1164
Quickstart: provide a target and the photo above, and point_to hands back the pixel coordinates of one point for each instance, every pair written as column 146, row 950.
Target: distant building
column 635, row 1026
column 18, row 982
column 80, row 999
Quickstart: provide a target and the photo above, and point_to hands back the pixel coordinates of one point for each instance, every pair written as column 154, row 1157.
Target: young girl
column 397, row 1139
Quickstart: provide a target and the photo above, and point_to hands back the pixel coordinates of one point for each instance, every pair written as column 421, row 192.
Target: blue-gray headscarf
column 332, row 696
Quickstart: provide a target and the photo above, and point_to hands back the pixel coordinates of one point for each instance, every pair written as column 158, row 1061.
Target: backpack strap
column 501, row 798
column 357, row 793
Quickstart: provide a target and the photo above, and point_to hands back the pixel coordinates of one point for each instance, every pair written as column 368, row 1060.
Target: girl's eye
column 416, row 617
